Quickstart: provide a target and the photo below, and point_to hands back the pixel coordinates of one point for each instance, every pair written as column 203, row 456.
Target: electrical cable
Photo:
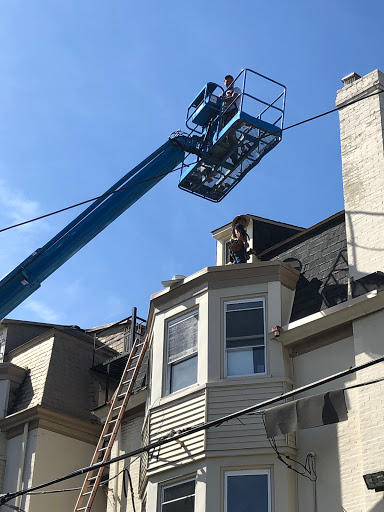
column 331, row 111
column 103, row 196
column 308, row 466
column 103, row 482
column 61, row 210
column 4, row 498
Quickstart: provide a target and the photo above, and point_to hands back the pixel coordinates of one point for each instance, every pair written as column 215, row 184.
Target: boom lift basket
column 233, row 138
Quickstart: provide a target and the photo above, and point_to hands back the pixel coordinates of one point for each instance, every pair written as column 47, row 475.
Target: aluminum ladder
column 111, row 426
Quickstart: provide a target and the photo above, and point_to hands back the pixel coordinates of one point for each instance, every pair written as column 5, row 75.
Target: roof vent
column 349, row 79
column 177, row 279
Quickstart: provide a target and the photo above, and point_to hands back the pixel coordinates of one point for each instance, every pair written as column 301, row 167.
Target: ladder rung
column 132, row 366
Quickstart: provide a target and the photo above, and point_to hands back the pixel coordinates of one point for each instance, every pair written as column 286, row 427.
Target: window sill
column 263, row 378
column 194, row 388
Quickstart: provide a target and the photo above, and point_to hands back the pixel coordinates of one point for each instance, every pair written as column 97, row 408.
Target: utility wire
column 103, row 482
column 331, row 111
column 198, row 428
column 174, row 170
column 103, row 196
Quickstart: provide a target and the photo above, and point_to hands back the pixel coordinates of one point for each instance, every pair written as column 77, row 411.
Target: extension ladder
column 111, row 426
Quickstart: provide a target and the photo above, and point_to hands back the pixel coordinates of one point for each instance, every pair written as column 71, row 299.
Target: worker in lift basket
column 230, row 104
column 239, row 239
column 230, row 108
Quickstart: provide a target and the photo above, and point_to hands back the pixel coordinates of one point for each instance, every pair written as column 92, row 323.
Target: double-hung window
column 182, row 351
column 245, row 337
column 247, row 491
column 178, row 497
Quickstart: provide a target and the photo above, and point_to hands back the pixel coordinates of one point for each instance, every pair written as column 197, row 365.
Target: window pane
column 244, row 323
column 247, row 493
column 245, row 361
column 183, row 374
column 182, row 337
column 258, row 360
column 240, row 362
column 253, row 342
column 182, row 505
column 245, row 305
column 179, row 497
column 178, row 491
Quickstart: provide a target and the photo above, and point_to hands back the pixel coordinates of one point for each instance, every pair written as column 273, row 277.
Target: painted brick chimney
column 362, row 152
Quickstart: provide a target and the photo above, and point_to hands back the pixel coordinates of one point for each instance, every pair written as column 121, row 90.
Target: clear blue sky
column 88, row 89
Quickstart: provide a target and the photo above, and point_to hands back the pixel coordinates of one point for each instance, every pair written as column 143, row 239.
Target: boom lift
column 214, row 157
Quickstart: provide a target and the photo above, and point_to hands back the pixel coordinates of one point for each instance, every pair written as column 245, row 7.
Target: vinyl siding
column 185, row 412
column 248, row 432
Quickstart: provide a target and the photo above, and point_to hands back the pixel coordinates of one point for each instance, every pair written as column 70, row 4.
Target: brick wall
column 361, row 133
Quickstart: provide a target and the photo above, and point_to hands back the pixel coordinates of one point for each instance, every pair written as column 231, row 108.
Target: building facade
column 311, row 304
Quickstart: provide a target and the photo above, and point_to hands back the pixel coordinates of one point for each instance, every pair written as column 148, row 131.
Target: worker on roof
column 239, row 240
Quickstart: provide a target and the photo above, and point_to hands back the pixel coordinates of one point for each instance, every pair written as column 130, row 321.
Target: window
column 245, row 337
column 182, row 352
column 227, row 258
column 247, row 490
column 178, row 497
column 2, row 348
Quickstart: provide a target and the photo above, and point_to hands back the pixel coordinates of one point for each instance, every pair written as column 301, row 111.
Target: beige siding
column 37, row 360
column 186, row 412
column 249, row 431
column 144, row 457
column 129, row 439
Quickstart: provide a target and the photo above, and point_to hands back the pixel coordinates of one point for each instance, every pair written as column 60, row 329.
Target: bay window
column 182, row 351
column 245, row 337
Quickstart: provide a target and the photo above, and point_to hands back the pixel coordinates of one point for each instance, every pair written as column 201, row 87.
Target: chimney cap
column 177, row 279
column 349, row 79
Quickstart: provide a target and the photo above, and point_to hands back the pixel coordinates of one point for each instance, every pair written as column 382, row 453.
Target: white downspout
column 22, row 464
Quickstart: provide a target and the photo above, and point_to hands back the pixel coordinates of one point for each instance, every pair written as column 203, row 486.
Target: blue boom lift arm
column 212, row 145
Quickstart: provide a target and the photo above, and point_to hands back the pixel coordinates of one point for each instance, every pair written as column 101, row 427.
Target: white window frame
column 2, row 348
column 170, row 322
column 247, row 472
column 180, row 482
column 243, row 301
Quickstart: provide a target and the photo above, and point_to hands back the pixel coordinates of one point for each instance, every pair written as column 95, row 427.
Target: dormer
column 263, row 234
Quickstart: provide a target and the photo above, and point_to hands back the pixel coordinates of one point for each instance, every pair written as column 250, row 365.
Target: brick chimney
column 362, row 153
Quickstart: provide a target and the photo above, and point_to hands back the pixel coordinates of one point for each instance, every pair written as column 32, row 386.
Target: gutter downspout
column 22, row 464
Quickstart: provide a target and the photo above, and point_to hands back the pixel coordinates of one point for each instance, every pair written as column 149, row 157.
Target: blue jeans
column 239, row 256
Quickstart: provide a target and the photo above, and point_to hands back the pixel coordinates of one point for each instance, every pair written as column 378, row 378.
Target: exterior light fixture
column 375, row 481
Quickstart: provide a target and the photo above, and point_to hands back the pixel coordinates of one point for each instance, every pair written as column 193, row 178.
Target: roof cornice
column 40, row 417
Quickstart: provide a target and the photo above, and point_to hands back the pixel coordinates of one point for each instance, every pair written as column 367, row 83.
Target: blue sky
column 90, row 88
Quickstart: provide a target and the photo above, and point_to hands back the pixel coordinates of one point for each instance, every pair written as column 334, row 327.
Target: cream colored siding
column 37, row 359
column 129, row 439
column 236, row 435
column 183, row 413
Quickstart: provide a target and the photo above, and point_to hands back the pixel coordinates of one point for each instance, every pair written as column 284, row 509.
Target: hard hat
column 246, row 217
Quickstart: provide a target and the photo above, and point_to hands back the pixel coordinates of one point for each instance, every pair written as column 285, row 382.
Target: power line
column 192, row 430
column 331, row 111
column 61, row 210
